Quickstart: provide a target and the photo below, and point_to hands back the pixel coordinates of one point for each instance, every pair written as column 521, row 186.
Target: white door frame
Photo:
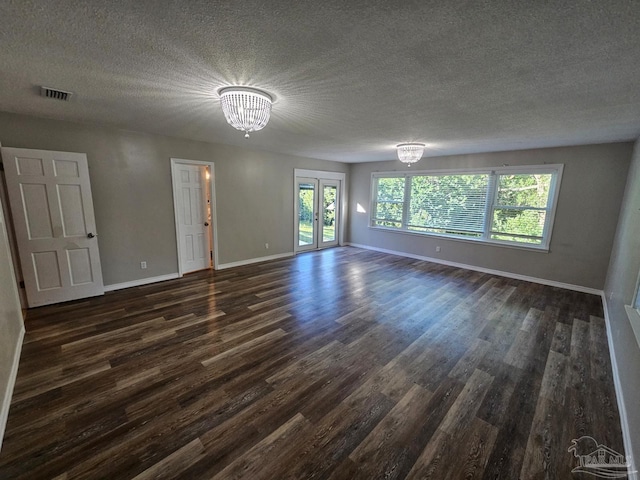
column 11, row 233
column 321, row 175
column 214, row 204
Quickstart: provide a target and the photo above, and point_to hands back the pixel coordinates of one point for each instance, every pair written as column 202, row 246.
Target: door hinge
column 211, row 254
column 1, row 167
column 21, row 284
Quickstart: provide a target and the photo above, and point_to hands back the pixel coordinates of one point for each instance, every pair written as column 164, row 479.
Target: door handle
column 206, row 224
column 91, row 235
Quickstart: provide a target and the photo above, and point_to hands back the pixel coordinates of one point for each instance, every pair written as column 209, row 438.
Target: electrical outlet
column 438, row 249
column 143, row 265
column 266, row 245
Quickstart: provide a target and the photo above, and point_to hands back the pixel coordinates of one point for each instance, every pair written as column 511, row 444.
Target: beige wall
column 619, row 290
column 589, row 202
column 11, row 327
column 131, row 184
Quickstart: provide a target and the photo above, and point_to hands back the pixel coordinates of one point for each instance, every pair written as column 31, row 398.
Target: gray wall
column 10, row 324
column 590, row 195
column 619, row 289
column 131, row 185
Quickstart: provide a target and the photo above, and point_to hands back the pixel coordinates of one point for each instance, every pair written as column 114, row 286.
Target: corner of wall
column 622, row 404
column 619, row 290
column 6, row 400
column 11, row 326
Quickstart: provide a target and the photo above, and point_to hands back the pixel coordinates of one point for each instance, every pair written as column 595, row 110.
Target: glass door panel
column 329, row 213
column 307, row 214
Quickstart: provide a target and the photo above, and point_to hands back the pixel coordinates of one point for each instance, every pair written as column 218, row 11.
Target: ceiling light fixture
column 410, row 152
column 246, row 109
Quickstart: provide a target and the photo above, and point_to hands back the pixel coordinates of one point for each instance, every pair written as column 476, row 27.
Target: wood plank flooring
column 338, row 364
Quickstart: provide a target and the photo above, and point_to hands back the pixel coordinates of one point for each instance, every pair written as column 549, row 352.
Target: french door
column 317, row 213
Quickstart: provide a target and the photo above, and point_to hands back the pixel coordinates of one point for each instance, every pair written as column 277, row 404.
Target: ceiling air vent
column 55, row 94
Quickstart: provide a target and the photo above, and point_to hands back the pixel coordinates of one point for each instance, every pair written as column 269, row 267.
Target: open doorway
column 195, row 214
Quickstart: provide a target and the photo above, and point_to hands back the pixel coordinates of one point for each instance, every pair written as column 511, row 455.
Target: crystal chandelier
column 410, row 152
column 246, row 109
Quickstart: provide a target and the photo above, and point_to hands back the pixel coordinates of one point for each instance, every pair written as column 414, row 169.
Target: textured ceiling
column 352, row 78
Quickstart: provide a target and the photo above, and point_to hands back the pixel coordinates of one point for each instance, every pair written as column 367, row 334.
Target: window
column 520, row 208
column 390, row 202
column 449, row 204
column 506, row 205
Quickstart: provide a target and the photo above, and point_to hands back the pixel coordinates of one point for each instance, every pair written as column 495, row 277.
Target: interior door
column 317, row 213
column 52, row 210
column 194, row 220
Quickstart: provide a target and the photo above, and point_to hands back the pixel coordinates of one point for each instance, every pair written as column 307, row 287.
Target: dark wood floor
column 341, row 364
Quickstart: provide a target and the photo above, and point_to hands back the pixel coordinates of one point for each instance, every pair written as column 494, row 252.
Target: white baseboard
column 249, row 261
column 172, row 276
column 622, row 410
column 6, row 401
column 142, row 281
column 515, row 276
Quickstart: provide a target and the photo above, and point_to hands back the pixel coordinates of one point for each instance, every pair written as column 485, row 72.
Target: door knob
column 206, row 224
column 90, row 235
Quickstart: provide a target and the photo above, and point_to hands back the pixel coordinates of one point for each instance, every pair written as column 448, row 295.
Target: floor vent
column 55, row 94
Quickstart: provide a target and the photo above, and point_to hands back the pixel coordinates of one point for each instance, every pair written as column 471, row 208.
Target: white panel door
column 193, row 218
column 52, row 209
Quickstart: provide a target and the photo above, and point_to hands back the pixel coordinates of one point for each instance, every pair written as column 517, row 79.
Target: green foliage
column 526, row 192
column 329, row 205
column 390, row 202
column 448, row 203
column 329, row 233
column 457, row 204
column 519, row 222
column 305, row 205
column 305, row 233
column 391, row 189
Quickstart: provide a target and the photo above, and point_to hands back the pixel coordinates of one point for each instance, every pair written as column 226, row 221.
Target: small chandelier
column 410, row 152
column 246, row 109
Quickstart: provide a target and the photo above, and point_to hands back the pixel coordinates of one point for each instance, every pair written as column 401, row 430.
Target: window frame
column 403, row 202
column 556, row 170
column 633, row 311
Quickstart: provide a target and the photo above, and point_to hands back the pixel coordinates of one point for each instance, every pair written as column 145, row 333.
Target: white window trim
column 633, row 311
column 636, row 298
column 634, row 320
column 554, row 192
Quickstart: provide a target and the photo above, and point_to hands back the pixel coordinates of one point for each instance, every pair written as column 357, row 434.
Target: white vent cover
column 55, row 94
